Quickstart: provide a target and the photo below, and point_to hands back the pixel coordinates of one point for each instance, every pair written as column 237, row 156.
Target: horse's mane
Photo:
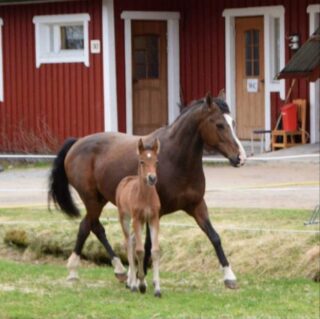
column 219, row 102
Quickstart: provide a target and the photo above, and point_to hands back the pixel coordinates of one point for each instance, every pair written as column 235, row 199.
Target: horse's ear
column 156, row 146
column 208, row 99
column 222, row 95
column 140, row 147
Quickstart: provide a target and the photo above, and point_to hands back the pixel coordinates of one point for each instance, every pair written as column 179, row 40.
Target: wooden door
column 149, row 76
column 249, row 75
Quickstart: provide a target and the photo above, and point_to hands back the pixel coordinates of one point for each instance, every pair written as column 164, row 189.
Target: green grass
column 40, row 291
column 272, row 269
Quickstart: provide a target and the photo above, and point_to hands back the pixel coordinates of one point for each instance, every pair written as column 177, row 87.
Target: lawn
column 273, row 269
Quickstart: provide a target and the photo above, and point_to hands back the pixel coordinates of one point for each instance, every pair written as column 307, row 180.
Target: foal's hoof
column 157, row 294
column 134, row 289
column 231, row 284
column 121, row 277
column 73, row 278
column 142, row 288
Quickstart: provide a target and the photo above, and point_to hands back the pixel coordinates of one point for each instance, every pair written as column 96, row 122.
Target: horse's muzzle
column 237, row 161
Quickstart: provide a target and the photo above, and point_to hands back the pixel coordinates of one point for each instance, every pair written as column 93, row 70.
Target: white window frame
column 268, row 13
column 314, row 87
column 42, row 39
column 1, row 64
column 172, row 19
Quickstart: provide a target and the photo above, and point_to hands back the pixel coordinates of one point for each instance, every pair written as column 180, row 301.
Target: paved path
column 268, row 185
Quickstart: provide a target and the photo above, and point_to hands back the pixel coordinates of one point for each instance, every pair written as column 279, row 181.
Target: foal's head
column 218, row 131
column 148, row 160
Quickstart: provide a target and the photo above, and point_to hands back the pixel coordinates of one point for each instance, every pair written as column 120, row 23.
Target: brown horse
column 137, row 199
column 94, row 166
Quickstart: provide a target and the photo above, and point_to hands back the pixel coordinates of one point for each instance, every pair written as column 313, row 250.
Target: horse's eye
column 220, row 126
column 141, row 162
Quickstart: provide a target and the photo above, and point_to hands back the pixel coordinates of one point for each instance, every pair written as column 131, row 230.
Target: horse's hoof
column 142, row 288
column 121, row 277
column 231, row 284
column 157, row 294
column 134, row 289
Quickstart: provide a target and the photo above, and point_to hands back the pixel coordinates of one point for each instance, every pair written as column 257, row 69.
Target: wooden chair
column 284, row 139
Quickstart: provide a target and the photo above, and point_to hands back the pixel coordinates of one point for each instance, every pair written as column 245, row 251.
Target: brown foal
column 137, row 200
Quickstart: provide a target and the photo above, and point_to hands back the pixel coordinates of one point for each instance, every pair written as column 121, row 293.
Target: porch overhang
column 306, row 62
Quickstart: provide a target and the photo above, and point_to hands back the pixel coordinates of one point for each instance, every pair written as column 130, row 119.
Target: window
column 1, row 65
column 146, row 56
column 252, row 52
column 62, row 38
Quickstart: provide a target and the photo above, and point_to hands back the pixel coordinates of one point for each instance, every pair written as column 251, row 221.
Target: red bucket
column 289, row 117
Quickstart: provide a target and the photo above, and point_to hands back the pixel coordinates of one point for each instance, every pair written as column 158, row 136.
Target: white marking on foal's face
column 242, row 154
column 149, row 155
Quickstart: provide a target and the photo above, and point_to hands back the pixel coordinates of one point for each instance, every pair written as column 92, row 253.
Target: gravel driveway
column 268, row 185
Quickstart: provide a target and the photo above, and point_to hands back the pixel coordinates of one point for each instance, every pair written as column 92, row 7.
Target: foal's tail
column 59, row 191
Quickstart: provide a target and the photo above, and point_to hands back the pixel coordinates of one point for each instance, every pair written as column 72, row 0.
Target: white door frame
column 109, row 67
column 172, row 19
column 271, row 85
column 1, row 64
column 314, row 87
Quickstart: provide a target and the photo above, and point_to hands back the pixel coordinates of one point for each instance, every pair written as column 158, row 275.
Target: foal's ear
column 140, row 147
column 156, row 146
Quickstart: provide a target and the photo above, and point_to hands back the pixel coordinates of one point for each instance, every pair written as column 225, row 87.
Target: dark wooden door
column 149, row 76
column 249, row 75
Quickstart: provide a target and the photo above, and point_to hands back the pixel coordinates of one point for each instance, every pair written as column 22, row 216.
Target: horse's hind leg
column 74, row 259
column 119, row 270
column 200, row 213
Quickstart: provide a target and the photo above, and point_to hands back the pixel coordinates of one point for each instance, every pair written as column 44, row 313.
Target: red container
column 289, row 117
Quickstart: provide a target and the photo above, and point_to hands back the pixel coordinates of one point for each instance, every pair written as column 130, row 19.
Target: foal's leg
column 200, row 214
column 155, row 254
column 137, row 226
column 74, row 259
column 133, row 283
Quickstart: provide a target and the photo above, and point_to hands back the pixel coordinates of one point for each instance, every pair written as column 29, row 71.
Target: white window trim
column 1, row 64
column 268, row 13
column 109, row 67
column 172, row 19
column 73, row 56
column 314, row 87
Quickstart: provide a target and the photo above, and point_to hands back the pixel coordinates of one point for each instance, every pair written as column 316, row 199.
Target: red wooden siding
column 202, row 43
column 42, row 106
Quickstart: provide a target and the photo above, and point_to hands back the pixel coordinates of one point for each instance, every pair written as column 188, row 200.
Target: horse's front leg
column 155, row 254
column 200, row 214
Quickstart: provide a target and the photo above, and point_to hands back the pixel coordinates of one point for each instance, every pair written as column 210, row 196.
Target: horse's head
column 218, row 131
column 148, row 160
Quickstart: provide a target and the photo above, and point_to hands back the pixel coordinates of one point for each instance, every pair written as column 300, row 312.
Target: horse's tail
column 59, row 191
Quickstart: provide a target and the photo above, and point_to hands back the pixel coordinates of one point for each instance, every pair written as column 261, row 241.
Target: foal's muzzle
column 151, row 179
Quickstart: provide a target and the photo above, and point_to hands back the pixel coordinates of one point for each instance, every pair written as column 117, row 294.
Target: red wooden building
column 72, row 68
